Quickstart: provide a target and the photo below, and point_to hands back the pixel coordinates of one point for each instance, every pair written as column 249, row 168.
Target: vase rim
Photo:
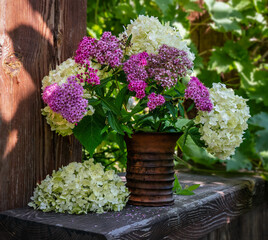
column 158, row 133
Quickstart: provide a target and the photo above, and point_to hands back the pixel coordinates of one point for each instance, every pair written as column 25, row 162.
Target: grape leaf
column 261, row 120
column 235, row 50
column 224, row 16
column 238, row 161
column 253, row 81
column 220, row 61
column 182, row 122
column 197, row 154
column 164, row 5
column 209, row 77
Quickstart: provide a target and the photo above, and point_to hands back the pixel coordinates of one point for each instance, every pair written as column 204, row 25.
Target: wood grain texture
column 34, row 37
column 218, row 202
column 251, row 225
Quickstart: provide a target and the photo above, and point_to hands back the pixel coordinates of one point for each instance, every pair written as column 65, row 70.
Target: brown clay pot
column 150, row 172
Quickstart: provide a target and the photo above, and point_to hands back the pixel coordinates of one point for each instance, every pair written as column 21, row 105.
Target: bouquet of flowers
column 140, row 81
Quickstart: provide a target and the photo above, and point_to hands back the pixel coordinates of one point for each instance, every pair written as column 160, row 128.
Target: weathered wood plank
column 216, row 203
column 251, row 225
column 34, row 37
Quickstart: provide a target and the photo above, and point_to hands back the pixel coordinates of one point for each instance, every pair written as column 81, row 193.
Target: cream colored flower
column 59, row 75
column 222, row 129
column 80, row 188
column 148, row 34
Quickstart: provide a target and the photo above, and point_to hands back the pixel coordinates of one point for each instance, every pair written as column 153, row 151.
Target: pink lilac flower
column 199, row 93
column 138, row 86
column 90, row 76
column 67, row 100
column 105, row 51
column 155, row 100
column 168, row 65
column 49, row 92
column 85, row 50
column 136, row 73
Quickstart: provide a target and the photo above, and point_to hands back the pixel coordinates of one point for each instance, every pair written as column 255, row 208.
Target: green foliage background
column 241, row 62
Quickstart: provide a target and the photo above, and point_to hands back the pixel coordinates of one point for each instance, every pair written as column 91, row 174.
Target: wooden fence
column 34, row 37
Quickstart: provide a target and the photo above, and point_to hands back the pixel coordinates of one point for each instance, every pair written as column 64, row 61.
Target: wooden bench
column 222, row 208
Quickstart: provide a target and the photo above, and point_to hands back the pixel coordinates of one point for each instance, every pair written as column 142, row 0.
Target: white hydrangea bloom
column 80, row 188
column 59, row 75
column 148, row 34
column 57, row 122
column 222, row 129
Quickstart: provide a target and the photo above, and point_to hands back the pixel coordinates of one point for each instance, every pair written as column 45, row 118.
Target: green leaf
column 129, row 40
column 127, row 129
column 93, row 101
column 242, row 5
column 139, row 107
column 120, row 141
column 197, row 154
column 235, row 50
column 110, row 90
column 121, row 97
column 261, row 120
column 164, row 4
column 209, row 77
column 259, row 86
column 253, row 81
column 190, row 107
column 124, row 12
column 181, row 108
column 182, row 122
column 193, row 187
column 189, row 5
column 171, row 109
column 110, row 105
column 176, row 185
column 114, row 123
column 264, row 158
column 243, row 155
column 237, row 162
column 196, row 136
column 220, row 61
column 177, row 188
column 198, row 61
column 104, row 129
column 184, row 192
column 103, row 82
column 88, row 131
column 224, row 16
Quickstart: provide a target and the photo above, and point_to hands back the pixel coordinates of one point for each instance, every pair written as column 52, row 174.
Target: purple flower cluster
column 200, row 94
column 85, row 51
column 136, row 73
column 138, row 87
column 155, row 100
column 105, row 51
column 66, row 99
column 164, row 68
column 89, row 76
column 169, row 64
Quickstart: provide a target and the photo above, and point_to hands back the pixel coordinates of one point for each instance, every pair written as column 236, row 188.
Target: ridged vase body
column 150, row 168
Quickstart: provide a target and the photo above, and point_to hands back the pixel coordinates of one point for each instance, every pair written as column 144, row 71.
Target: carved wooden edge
column 251, row 225
column 17, row 229
column 205, row 216
column 191, row 220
